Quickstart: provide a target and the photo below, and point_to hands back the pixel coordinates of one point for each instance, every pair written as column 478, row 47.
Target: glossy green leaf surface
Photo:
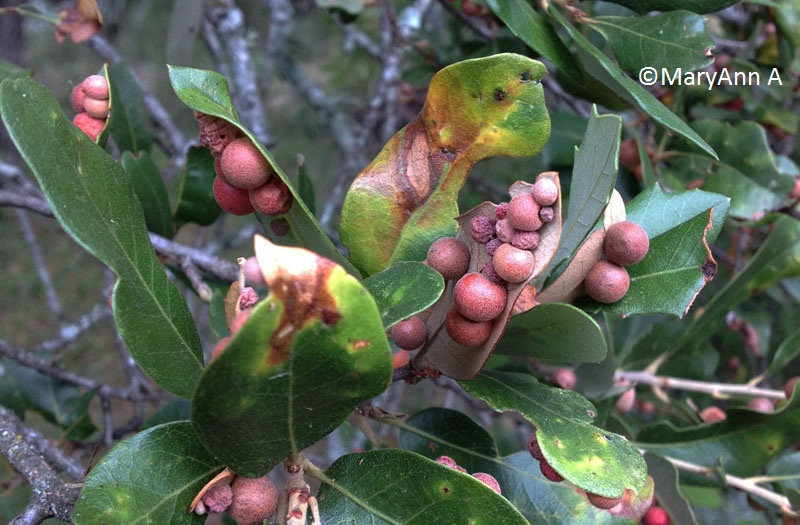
column 149, row 188
column 594, row 175
column 309, row 353
column 195, row 201
column 667, row 487
column 207, row 92
column 554, row 333
column 746, row 172
column 593, row 459
column 407, row 197
column 94, row 202
column 404, row 289
column 533, row 29
column 395, row 486
column 125, row 120
column 58, row 402
column 697, row 6
column 679, row 262
column 673, row 40
column 788, row 350
column 597, row 63
column 437, row 431
column 151, row 477
column 763, row 436
column 776, row 258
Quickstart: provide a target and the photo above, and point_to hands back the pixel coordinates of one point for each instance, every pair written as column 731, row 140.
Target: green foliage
column 151, row 477
column 308, row 354
column 93, row 200
column 374, row 487
column 595, row 460
column 709, row 172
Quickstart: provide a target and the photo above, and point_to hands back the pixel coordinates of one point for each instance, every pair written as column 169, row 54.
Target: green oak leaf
column 554, row 333
column 673, row 40
column 407, row 196
column 438, row 431
column 207, row 92
column 697, row 6
column 58, row 402
column 594, row 175
column 533, row 29
column 195, row 201
column 609, row 73
column 763, row 436
column 595, row 460
column 93, row 200
column 308, row 354
column 679, row 263
column 404, row 289
column 393, row 486
column 125, row 120
column 746, row 171
column 151, row 477
column 149, row 187
column 777, row 257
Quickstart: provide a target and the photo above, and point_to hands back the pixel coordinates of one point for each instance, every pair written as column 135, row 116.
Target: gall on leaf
column 461, row 362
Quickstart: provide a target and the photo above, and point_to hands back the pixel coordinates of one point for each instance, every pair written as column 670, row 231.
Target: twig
column 24, row 358
column 68, row 333
column 53, row 303
column 173, row 141
column 717, row 390
column 51, row 496
column 227, row 20
column 742, row 484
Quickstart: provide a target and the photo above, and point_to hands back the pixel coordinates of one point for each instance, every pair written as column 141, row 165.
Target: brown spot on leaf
column 298, row 279
column 330, row 317
column 361, row 344
column 445, row 489
column 500, row 94
column 709, row 269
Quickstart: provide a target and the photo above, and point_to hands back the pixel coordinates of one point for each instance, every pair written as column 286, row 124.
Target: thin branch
column 21, row 447
column 53, row 302
column 717, row 390
column 736, row 482
column 69, row 333
column 24, row 358
column 172, row 141
column 227, row 21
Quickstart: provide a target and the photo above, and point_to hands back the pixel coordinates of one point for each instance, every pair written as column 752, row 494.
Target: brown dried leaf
column 569, row 284
column 80, row 23
column 223, row 478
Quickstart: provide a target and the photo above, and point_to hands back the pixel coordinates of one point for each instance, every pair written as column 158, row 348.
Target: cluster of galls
column 601, row 502
column 625, row 243
column 90, row 100
column 483, row 477
column 246, row 182
column 479, row 298
column 248, row 501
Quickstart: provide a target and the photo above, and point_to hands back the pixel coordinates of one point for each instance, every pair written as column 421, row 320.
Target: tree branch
column 717, row 390
column 227, row 21
column 22, row 447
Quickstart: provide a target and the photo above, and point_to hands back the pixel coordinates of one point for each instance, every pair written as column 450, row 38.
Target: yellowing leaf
column 406, row 198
